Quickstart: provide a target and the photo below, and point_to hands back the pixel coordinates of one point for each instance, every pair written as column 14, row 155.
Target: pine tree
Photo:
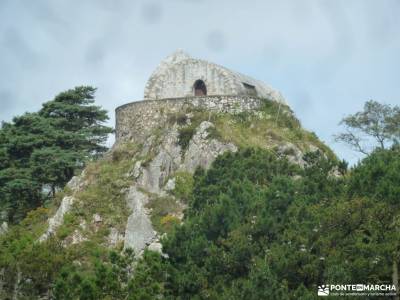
column 40, row 152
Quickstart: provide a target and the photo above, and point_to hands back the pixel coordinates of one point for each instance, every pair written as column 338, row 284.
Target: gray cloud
column 216, row 41
column 152, row 12
column 327, row 57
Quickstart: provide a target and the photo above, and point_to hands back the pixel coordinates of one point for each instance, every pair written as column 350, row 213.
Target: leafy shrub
column 168, row 222
column 183, row 186
column 185, row 135
column 162, row 207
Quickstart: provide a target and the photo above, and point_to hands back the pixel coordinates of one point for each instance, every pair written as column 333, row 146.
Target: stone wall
column 176, row 75
column 177, row 80
column 135, row 121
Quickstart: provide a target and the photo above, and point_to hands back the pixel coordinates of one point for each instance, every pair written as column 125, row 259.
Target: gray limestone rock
column 3, row 228
column 76, row 184
column 155, row 246
column 202, row 151
column 137, row 170
column 139, row 231
column 58, row 218
column 166, row 161
column 97, row 218
column 114, row 237
column 292, row 153
column 170, row 185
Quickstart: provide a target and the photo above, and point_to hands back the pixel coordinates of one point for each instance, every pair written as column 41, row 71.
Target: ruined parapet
column 182, row 82
column 136, row 120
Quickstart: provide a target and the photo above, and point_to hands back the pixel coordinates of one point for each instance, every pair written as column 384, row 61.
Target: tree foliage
column 39, row 152
column 378, row 124
column 256, row 227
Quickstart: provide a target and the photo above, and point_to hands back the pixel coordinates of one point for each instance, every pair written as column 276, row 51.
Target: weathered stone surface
column 3, row 228
column 139, row 231
column 176, row 75
column 202, row 151
column 76, row 184
column 166, row 161
column 292, row 153
column 137, row 169
column 114, row 237
column 335, row 173
column 97, row 218
column 137, row 120
column 173, row 82
column 170, row 185
column 155, row 246
column 58, row 218
column 152, row 178
column 313, row 148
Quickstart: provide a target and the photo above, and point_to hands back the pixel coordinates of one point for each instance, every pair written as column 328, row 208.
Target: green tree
column 377, row 124
column 377, row 178
column 79, row 122
column 40, row 152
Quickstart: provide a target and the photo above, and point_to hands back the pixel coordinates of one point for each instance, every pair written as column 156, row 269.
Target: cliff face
column 150, row 176
column 173, row 144
column 136, row 193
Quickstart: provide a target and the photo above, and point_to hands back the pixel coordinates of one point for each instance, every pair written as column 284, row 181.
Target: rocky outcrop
column 292, row 153
column 75, row 184
column 115, row 237
column 153, row 178
column 202, row 150
column 166, row 161
column 152, row 175
column 139, row 231
column 3, row 228
column 58, row 218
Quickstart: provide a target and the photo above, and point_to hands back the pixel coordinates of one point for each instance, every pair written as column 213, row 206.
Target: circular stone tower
column 181, row 81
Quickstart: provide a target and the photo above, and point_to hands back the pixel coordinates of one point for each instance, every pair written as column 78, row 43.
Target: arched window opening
column 250, row 89
column 200, row 88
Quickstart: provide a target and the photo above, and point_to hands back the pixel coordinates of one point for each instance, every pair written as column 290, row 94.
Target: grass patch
column 179, row 118
column 183, row 186
column 266, row 127
column 164, row 212
column 188, row 127
column 213, row 133
column 185, row 135
column 103, row 195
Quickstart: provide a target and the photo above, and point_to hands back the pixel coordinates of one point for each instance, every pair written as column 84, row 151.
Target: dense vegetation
column 39, row 152
column 261, row 228
column 257, row 227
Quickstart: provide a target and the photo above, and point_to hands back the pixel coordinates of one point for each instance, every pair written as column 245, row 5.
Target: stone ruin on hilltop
column 180, row 81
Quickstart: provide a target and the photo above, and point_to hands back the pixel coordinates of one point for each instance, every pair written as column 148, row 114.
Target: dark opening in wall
column 250, row 89
column 200, row 88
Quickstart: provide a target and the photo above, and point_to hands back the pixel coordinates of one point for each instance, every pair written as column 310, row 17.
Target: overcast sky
column 326, row 57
